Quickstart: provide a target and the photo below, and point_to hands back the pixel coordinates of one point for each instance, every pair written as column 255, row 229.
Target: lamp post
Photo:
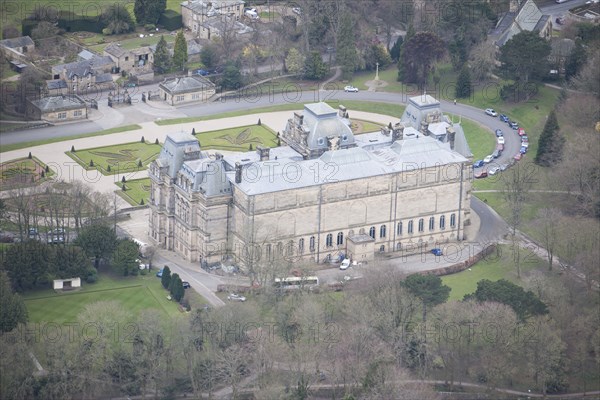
column 376, row 71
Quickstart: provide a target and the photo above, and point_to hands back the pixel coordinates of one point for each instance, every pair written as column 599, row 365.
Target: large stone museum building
column 323, row 192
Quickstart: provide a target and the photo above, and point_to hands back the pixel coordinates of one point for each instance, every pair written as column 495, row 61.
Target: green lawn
column 23, row 172
column 121, row 158
column 494, row 267
column 237, row 139
column 481, row 141
column 136, row 190
column 134, row 294
column 361, row 126
column 134, row 42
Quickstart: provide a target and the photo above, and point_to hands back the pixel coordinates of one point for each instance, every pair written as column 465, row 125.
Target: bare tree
column 547, row 225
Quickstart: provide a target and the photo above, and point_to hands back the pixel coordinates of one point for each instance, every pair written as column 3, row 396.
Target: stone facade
column 58, row 108
column 379, row 194
column 186, row 89
column 196, row 12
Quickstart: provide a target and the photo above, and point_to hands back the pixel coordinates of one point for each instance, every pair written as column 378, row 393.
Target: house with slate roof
column 186, row 89
column 85, row 75
column 138, row 61
column 195, row 12
column 324, row 192
column 58, row 108
column 522, row 16
column 17, row 47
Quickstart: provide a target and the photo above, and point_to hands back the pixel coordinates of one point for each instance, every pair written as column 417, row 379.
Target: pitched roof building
column 401, row 190
column 522, row 16
column 185, row 89
column 58, row 108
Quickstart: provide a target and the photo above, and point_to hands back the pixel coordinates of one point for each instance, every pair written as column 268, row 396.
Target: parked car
column 521, row 131
column 518, row 156
column 159, row 273
column 186, row 285
column 297, row 10
column 493, row 171
column 497, row 153
column 236, row 297
column 525, row 144
column 503, row 118
column 482, row 174
column 501, row 140
column 513, row 124
column 345, row 264
column 478, row 163
column 524, row 138
column 500, row 147
column 437, row 252
column 33, row 232
column 491, row 112
column 350, row 88
column 503, row 167
column 523, row 150
column 201, row 72
column 488, row 159
column 499, row 133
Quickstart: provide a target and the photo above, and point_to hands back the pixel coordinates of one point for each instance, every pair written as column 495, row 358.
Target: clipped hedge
column 170, row 20
column 68, row 21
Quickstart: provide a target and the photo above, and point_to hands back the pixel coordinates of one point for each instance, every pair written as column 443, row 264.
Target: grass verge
column 135, row 191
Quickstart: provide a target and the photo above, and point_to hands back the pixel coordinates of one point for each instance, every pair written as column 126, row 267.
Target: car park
column 513, row 124
column 493, row 171
column 499, row 133
column 488, row 159
column 350, row 88
column 186, row 285
column 503, row 118
column 482, row 174
column 491, row 112
column 501, row 140
column 478, row 163
column 437, row 252
column 345, row 264
column 235, row 297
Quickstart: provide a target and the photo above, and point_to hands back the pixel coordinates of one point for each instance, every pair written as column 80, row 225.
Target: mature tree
column 117, row 20
column 576, row 60
column 26, row 264
column 176, row 287
column 587, row 79
column 524, row 57
column 515, row 187
column 463, row 83
column 148, row 11
column 98, row 241
column 12, row 307
column 550, row 144
column 429, row 289
column 69, row 262
column 525, row 304
column 419, row 54
column 43, row 30
column 232, row 77
column 377, row 54
column 294, row 61
column 124, row 258
column 402, row 65
column 482, row 59
column 314, row 67
column 9, row 32
column 180, row 55
column 346, row 46
column 209, row 55
column 162, row 59
column 395, row 51
column 547, row 226
column 165, row 279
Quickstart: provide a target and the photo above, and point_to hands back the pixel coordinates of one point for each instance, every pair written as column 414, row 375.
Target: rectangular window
column 180, row 98
column 77, row 113
column 62, row 115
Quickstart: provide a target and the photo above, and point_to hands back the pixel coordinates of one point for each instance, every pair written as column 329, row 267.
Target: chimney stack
column 263, row 153
column 238, row 172
column 451, row 136
column 342, row 111
column 397, row 132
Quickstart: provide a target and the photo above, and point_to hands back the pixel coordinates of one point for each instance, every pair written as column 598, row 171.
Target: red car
column 518, row 156
column 482, row 174
column 500, row 147
column 521, row 131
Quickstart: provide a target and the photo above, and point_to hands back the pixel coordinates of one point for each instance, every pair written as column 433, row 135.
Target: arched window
column 443, row 222
column 398, row 246
column 311, row 243
column 269, row 253
column 340, row 238
column 372, row 232
column 410, row 227
column 301, row 246
column 279, row 249
column 399, row 228
column 431, row 223
column 452, row 220
column 382, row 248
column 421, row 225
column 382, row 231
column 329, row 240
column 289, row 248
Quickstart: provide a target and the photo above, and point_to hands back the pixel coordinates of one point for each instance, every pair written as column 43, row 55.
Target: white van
column 251, row 13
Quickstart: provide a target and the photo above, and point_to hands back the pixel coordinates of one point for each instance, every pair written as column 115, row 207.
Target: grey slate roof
column 186, row 84
column 115, row 50
column 59, row 103
column 86, row 55
column 17, row 42
column 174, row 149
column 322, row 121
column 202, row 6
column 102, row 78
column 223, row 22
column 83, row 68
column 54, row 84
column 527, row 18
